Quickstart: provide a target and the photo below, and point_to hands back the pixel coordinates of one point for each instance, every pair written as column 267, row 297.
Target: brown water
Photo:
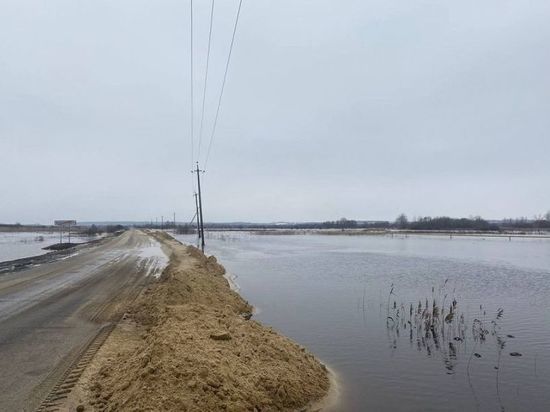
column 331, row 294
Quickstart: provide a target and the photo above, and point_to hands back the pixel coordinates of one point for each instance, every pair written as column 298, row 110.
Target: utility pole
column 162, row 223
column 197, row 216
column 198, row 171
column 174, row 223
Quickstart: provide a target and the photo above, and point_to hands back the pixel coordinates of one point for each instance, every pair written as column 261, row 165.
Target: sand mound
column 187, row 345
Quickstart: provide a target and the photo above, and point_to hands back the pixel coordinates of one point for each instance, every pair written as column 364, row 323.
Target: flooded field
column 18, row 245
column 408, row 323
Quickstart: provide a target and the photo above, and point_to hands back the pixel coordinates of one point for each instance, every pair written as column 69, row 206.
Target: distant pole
column 174, row 223
column 198, row 219
column 60, row 234
column 200, row 205
column 161, row 222
column 69, row 233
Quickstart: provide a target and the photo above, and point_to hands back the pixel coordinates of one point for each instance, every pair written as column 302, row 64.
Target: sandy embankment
column 186, row 345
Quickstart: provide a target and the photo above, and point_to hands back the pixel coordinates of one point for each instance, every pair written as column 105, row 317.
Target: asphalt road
column 49, row 312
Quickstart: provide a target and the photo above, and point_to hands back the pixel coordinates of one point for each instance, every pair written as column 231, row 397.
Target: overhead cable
column 223, row 83
column 206, row 76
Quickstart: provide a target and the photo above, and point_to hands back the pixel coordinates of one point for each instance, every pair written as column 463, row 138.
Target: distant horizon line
column 274, row 223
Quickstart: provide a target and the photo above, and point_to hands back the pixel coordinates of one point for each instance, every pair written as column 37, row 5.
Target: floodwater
column 18, row 245
column 332, row 294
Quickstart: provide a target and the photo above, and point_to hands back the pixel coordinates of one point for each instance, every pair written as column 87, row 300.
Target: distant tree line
column 342, row 223
column 167, row 224
column 448, row 223
column 541, row 222
column 99, row 229
column 20, row 227
column 181, row 228
column 524, row 223
column 473, row 223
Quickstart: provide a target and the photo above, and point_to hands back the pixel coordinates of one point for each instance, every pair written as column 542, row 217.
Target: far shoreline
column 388, row 232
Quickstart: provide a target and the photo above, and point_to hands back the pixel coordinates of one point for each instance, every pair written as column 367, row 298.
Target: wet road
column 48, row 313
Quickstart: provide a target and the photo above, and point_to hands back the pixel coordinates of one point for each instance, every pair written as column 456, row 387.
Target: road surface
column 48, row 313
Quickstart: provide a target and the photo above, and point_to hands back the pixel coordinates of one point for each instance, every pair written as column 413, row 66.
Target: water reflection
column 440, row 331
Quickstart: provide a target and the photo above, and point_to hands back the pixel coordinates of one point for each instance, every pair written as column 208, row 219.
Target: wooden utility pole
column 198, row 171
column 197, row 216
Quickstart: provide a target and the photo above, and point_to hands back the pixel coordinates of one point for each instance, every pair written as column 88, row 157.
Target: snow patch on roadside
column 232, row 279
column 154, row 258
column 68, row 256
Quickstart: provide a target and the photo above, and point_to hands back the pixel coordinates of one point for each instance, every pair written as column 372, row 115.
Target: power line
column 198, row 196
column 191, row 75
column 223, row 83
column 206, row 76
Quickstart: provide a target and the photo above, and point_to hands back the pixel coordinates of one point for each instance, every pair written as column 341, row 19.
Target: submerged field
column 18, row 245
column 376, row 309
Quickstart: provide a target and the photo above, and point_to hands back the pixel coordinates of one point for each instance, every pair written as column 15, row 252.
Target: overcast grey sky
column 353, row 108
